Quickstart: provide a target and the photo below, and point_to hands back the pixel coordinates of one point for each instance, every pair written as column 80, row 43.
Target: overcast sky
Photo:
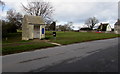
column 76, row 11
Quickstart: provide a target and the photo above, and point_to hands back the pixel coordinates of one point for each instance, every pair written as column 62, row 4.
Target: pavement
column 52, row 59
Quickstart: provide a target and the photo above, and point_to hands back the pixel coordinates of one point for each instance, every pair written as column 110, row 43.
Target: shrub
column 8, row 27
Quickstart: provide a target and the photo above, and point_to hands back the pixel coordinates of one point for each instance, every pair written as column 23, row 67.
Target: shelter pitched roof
column 34, row 20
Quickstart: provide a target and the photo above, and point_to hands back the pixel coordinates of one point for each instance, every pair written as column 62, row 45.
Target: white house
column 105, row 27
column 33, row 27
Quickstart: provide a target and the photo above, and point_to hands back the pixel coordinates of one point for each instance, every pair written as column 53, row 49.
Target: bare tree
column 91, row 22
column 66, row 27
column 39, row 8
column 2, row 4
column 69, row 26
column 14, row 18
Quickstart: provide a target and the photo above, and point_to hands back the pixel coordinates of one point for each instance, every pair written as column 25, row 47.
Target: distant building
column 105, row 27
column 85, row 28
column 117, row 27
column 33, row 27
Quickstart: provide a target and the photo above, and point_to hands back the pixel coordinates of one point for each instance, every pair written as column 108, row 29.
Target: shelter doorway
column 36, row 31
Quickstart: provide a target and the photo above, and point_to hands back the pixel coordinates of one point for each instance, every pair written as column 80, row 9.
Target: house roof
column 34, row 20
column 104, row 25
column 118, row 22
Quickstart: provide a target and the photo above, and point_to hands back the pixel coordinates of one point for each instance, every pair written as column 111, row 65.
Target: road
column 93, row 56
column 103, row 61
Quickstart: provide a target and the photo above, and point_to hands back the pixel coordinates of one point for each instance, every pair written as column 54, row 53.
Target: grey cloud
column 104, row 11
column 78, row 12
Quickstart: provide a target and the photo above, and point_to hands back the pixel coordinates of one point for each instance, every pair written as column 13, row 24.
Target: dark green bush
column 8, row 27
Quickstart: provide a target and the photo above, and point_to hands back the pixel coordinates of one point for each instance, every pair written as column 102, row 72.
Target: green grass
column 14, row 44
column 24, row 47
column 75, row 37
column 19, row 30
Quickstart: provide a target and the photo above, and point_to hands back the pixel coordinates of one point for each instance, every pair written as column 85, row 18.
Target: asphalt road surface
column 103, row 61
column 93, row 56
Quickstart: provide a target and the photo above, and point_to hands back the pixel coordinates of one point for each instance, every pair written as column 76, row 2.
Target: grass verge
column 76, row 37
column 26, row 47
column 14, row 44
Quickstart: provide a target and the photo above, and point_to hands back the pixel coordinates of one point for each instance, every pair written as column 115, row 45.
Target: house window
column 42, row 30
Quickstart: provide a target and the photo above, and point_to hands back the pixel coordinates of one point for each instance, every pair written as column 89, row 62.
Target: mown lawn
column 14, row 44
column 16, row 48
column 76, row 37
